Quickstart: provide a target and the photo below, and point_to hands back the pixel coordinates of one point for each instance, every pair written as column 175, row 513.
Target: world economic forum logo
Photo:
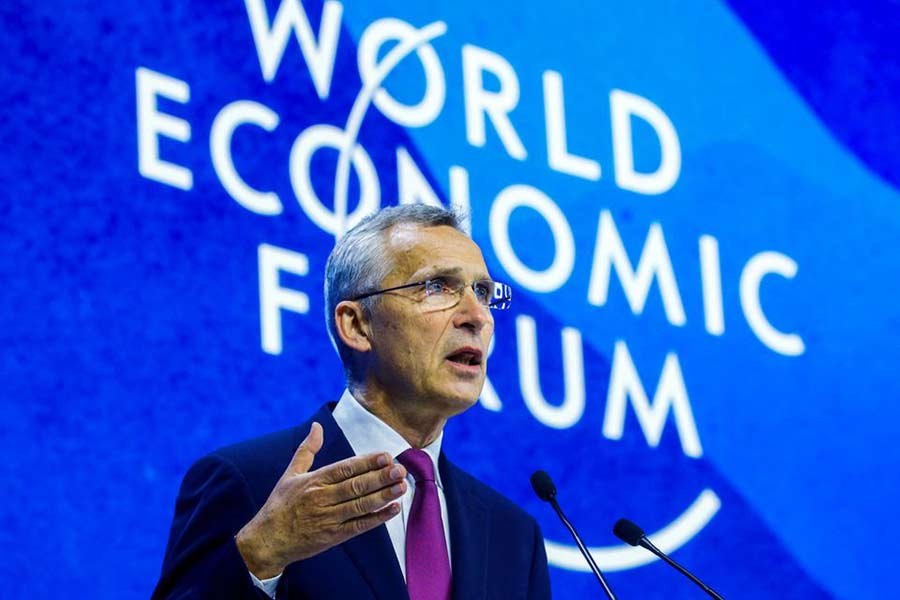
column 484, row 107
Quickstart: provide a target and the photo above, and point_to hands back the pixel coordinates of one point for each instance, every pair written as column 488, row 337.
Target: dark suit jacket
column 497, row 549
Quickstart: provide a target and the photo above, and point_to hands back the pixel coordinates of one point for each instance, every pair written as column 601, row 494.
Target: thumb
column 306, row 451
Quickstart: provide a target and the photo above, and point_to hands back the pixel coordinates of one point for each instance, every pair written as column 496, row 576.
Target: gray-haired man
column 361, row 502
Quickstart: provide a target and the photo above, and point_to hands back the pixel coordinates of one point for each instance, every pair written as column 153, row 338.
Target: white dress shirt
column 366, row 433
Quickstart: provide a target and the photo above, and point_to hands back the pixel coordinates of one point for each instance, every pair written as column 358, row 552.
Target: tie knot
column 418, row 463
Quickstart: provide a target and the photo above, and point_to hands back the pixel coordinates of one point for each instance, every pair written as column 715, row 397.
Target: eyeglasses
column 444, row 292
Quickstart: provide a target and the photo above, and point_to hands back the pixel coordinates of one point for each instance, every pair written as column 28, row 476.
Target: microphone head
column 628, row 532
column 543, row 486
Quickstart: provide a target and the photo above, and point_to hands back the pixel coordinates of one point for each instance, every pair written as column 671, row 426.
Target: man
column 368, row 505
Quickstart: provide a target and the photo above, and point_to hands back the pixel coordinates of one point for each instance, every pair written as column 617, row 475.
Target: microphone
column 631, row 534
column 546, row 491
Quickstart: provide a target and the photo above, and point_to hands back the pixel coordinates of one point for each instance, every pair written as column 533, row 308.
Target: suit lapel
column 372, row 552
column 469, row 534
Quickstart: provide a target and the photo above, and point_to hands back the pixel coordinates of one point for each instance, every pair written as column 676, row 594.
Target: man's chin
column 460, row 400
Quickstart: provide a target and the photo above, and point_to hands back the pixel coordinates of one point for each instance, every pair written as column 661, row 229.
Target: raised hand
column 310, row 512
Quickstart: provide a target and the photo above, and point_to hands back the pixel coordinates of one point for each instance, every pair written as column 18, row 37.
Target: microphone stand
column 646, row 543
column 583, row 548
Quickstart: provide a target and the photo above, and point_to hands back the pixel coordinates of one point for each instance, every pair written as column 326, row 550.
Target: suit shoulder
column 265, row 447
column 259, row 461
column 497, row 502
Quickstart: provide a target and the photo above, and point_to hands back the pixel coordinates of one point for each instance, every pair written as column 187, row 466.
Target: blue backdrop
column 696, row 204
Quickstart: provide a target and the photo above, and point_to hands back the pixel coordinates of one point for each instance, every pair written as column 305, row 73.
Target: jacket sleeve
column 202, row 559
column 539, row 582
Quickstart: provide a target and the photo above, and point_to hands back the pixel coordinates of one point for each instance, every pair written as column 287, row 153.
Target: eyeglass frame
column 501, row 303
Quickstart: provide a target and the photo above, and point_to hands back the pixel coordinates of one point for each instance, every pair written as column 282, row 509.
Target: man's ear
column 352, row 325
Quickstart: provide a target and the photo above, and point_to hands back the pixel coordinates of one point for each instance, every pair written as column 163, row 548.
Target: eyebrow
column 448, row 271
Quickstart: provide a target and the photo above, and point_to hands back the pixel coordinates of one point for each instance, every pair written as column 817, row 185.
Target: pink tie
column 427, row 563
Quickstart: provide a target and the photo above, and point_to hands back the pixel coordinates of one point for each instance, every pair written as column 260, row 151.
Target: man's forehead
column 411, row 233
column 411, row 238
column 415, row 247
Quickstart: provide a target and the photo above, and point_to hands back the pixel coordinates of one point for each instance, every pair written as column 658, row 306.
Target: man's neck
column 405, row 416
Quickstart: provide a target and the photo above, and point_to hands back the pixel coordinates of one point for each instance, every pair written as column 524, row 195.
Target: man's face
column 434, row 359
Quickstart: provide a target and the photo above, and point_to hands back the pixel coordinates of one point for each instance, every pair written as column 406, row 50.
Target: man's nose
column 470, row 312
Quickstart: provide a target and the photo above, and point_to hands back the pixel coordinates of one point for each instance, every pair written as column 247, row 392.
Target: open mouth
column 466, row 356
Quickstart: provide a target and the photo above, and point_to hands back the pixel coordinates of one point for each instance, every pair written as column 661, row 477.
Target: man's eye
column 436, row 286
column 483, row 290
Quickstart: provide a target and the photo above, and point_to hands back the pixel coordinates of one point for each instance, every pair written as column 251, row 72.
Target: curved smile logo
column 489, row 93
column 619, row 558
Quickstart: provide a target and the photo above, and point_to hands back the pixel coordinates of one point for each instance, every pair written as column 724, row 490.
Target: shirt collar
column 367, row 433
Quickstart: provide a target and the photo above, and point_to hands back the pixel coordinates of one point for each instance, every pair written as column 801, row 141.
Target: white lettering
column 711, row 280
column 654, row 263
column 788, row 344
column 307, row 143
column 459, row 196
column 271, row 40
column 623, row 106
column 569, row 412
column 151, row 124
column 427, row 110
column 273, row 298
column 559, row 270
column 558, row 154
column 489, row 398
column 624, row 383
column 496, row 105
column 228, row 119
column 412, row 186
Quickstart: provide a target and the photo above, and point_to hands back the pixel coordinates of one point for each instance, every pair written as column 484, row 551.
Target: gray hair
column 358, row 263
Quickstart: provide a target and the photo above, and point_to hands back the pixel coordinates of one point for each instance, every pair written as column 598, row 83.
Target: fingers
column 306, row 451
column 372, row 520
column 366, row 483
column 351, row 467
column 370, row 503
